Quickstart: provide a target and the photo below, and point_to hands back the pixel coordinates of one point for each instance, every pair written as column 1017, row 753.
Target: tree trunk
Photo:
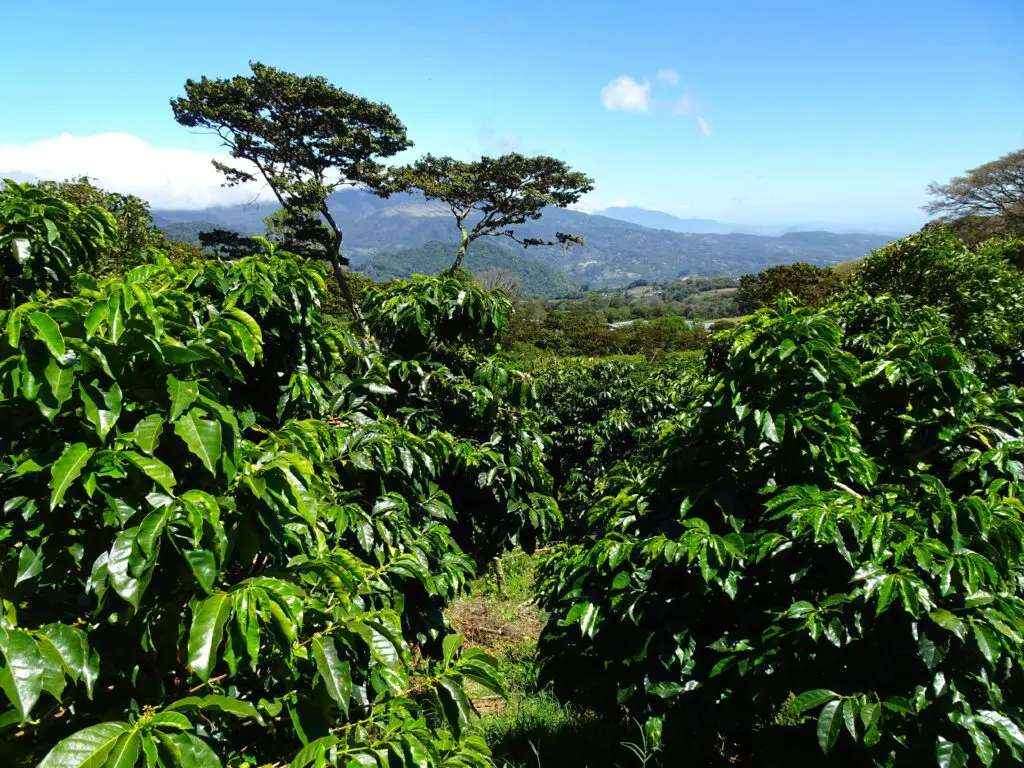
column 463, row 247
column 346, row 286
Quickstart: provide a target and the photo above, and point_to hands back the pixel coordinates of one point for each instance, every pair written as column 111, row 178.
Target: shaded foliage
column 813, row 285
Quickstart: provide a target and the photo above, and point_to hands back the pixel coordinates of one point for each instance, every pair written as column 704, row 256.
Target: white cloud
column 121, row 162
column 627, row 95
column 704, row 126
column 682, row 206
column 684, row 106
column 669, row 76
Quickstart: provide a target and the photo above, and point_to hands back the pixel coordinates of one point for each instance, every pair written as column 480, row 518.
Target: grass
column 532, row 728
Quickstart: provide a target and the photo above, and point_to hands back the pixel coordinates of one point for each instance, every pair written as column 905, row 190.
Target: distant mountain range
column 616, row 252
column 662, row 220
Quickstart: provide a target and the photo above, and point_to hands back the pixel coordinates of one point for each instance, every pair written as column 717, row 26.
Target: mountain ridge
column 615, row 252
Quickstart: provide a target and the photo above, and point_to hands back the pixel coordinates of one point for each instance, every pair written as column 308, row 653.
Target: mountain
column 616, row 252
column 662, row 220
column 538, row 279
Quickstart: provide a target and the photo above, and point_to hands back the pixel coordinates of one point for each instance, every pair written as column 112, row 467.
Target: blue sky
column 745, row 111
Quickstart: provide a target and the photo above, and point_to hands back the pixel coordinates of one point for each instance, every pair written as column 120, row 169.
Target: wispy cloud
column 493, row 141
column 624, row 94
column 121, row 162
column 669, row 76
column 628, row 95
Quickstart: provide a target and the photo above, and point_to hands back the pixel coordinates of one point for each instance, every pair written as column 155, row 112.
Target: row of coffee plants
column 229, row 527
column 817, row 559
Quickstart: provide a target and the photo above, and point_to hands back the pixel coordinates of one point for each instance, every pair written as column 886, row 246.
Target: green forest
column 262, row 510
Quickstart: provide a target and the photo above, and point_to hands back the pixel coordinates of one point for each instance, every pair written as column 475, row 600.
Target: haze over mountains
column 621, row 244
column 662, row 220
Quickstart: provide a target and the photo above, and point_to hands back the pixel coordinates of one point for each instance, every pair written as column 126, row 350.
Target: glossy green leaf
column 206, row 633
column 125, row 751
column 830, row 722
column 30, row 564
column 202, row 436
column 155, row 469
column 182, row 394
column 22, row 678
column 147, row 433
column 88, row 748
column 949, row 754
column 49, row 332
column 335, row 673
column 66, row 470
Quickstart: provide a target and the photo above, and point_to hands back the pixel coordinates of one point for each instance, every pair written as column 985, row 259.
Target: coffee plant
column 822, row 564
column 228, row 525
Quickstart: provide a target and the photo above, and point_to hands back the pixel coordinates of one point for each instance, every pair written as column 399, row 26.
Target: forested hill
column 536, row 278
column 615, row 252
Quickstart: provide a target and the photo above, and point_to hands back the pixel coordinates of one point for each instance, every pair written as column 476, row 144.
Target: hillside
column 616, row 252
column 538, row 279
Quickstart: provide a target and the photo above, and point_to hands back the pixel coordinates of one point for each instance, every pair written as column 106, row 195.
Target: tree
column 304, row 138
column 504, row 280
column 812, row 285
column 986, row 201
column 493, row 194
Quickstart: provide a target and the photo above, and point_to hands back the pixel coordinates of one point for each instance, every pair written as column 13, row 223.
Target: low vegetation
column 260, row 511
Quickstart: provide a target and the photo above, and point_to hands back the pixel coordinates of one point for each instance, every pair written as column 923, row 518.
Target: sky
column 838, row 111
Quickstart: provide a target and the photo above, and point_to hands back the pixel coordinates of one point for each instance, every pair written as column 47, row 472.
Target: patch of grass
column 532, row 729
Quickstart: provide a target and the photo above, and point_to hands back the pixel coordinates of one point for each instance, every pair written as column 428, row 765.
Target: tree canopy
column 304, row 138
column 985, row 201
column 813, row 285
column 490, row 196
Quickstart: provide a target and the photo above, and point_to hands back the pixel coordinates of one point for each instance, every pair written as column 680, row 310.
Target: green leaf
column 71, row 646
column 47, row 330
column 949, row 754
column 829, row 725
column 171, row 719
column 1005, row 728
column 147, row 433
column 88, row 748
column 66, row 470
column 154, row 469
column 22, row 678
column 450, row 646
column 204, row 567
column 59, row 380
column 103, row 418
column 336, row 674
column 206, row 632
column 216, row 703
column 850, row 717
column 454, row 702
column 30, row 564
column 810, row 700
column 96, row 315
column 125, row 751
column 195, row 753
column 119, row 567
column 950, row 622
column 202, row 438
column 182, row 394
column 988, row 642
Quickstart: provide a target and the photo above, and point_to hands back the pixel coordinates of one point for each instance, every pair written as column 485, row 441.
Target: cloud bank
column 121, row 162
